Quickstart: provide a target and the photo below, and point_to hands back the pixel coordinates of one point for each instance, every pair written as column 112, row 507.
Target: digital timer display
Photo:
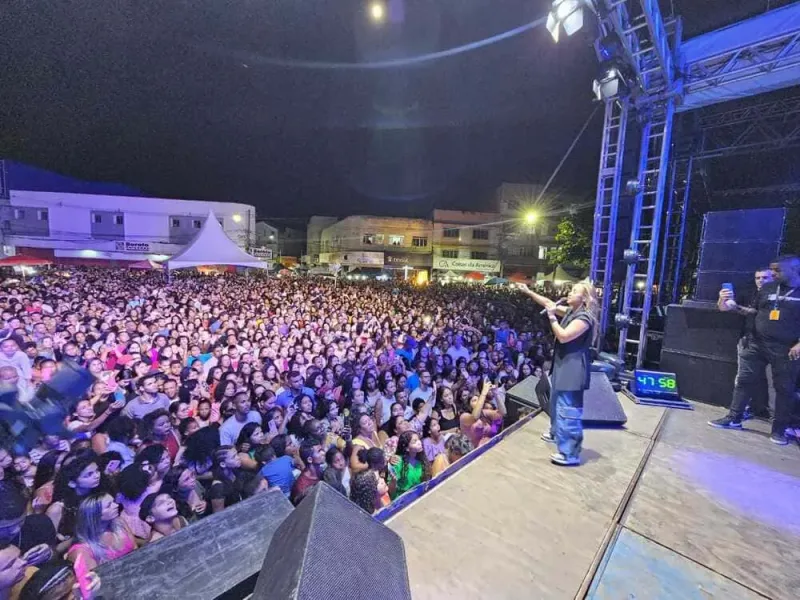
column 655, row 384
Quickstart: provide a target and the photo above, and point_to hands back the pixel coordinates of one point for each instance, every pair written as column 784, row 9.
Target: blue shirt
column 279, row 473
column 287, row 397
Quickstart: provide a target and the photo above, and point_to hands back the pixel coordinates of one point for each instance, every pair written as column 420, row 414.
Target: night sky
column 182, row 99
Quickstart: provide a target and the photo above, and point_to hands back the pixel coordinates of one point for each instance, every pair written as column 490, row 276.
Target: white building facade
column 466, row 241
column 94, row 228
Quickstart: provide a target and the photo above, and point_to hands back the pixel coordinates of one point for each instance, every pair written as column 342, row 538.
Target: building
column 388, row 242
column 524, row 246
column 266, row 240
column 316, row 225
column 102, row 229
column 466, row 241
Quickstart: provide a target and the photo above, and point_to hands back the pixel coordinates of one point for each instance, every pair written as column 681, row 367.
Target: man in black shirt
column 760, row 401
column 774, row 340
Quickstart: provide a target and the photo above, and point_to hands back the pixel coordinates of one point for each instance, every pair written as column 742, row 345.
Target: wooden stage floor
column 666, row 508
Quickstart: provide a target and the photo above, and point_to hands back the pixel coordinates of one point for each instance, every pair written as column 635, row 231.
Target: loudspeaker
column 601, row 406
column 701, row 378
column 702, row 331
column 330, row 549
column 220, row 556
column 734, row 245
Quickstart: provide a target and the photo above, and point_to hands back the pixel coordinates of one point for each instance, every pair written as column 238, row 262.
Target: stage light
column 237, row 218
column 622, row 321
column 377, row 12
column 640, row 285
column 615, row 80
column 631, row 257
column 566, row 14
column 632, row 187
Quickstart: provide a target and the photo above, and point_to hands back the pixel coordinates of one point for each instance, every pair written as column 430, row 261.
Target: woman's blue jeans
column 566, row 427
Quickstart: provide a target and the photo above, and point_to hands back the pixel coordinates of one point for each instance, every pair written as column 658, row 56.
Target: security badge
column 775, row 315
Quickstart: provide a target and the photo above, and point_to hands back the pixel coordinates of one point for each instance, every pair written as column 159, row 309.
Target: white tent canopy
column 212, row 246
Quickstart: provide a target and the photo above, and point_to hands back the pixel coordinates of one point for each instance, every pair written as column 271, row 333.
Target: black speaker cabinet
column 703, row 331
column 701, row 378
column 330, row 549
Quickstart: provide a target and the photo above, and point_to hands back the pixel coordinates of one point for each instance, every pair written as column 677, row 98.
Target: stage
column 664, row 508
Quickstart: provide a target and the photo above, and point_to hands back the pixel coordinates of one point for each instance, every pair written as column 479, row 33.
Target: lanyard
column 778, row 295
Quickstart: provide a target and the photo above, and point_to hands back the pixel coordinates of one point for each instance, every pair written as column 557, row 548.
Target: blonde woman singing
column 571, row 367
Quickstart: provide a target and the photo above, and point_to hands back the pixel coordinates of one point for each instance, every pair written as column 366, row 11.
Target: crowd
column 209, row 390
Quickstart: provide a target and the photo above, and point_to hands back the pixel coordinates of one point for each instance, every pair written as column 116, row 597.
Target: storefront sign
column 262, row 252
column 361, row 259
column 466, row 264
column 406, row 259
column 133, row 246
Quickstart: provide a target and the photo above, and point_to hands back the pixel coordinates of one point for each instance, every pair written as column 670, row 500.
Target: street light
column 237, row 218
column 531, row 218
column 377, row 12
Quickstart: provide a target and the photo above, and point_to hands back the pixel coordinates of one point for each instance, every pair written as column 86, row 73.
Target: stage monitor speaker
column 601, row 405
column 734, row 245
column 218, row 557
column 330, row 549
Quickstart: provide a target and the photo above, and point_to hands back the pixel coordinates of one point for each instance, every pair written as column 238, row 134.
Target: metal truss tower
column 607, row 205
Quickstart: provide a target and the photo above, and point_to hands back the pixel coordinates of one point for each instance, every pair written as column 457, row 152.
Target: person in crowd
column 367, row 490
column 225, row 489
column 156, row 461
column 364, row 436
column 571, row 367
column 432, row 439
column 32, row 534
column 121, row 432
column 337, row 474
column 181, row 483
column 456, row 447
column 160, row 511
column 413, row 467
column 447, row 411
column 44, row 480
column 56, row 580
column 251, row 437
column 148, row 400
column 133, row 484
column 774, row 341
column 313, row 458
column 79, row 476
column 101, row 535
column 243, row 414
column 296, row 388
column 157, row 429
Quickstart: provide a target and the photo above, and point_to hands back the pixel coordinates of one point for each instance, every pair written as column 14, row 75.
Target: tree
column 573, row 236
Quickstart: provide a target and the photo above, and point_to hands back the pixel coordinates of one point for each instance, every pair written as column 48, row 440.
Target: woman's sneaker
column 726, row 422
column 546, row 437
column 564, row 461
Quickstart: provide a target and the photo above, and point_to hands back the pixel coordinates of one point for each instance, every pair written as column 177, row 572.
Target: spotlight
column 632, row 187
column 615, row 80
column 631, row 257
column 567, row 14
column 640, row 285
column 622, row 321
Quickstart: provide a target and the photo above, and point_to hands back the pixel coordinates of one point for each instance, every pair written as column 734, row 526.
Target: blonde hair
column 591, row 304
column 89, row 526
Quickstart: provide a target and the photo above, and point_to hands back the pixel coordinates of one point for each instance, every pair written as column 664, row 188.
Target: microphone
column 559, row 302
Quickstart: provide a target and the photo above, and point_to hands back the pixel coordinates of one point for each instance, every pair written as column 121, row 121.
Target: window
column 97, row 219
column 449, row 253
column 419, row 242
column 175, row 223
column 396, row 240
column 369, row 239
column 452, row 233
column 19, row 213
column 480, row 234
column 542, row 252
column 197, row 223
column 43, row 215
column 119, row 219
column 525, row 251
column 379, row 238
column 478, row 255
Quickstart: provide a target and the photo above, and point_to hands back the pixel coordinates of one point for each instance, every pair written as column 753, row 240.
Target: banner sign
column 133, row 246
column 262, row 252
column 466, row 264
column 410, row 259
